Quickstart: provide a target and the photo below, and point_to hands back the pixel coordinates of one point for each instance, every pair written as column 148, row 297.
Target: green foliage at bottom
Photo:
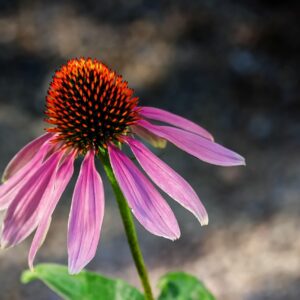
column 84, row 286
column 92, row 286
column 182, row 286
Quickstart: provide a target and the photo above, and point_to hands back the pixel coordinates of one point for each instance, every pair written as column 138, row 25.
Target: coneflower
column 92, row 111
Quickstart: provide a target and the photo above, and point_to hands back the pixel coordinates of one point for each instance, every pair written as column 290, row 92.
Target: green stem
column 129, row 228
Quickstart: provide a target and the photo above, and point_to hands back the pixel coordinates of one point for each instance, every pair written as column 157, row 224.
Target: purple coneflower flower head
column 91, row 109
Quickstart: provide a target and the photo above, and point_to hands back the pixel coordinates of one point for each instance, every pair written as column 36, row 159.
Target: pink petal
column 58, row 183
column 86, row 216
column 168, row 180
column 24, row 156
column 24, row 213
column 149, row 137
column 196, row 145
column 38, row 240
column 146, row 203
column 10, row 188
column 175, row 120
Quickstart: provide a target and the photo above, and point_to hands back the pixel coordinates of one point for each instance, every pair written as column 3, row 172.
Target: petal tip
column 237, row 160
column 176, row 235
column 242, row 161
column 30, row 265
column 73, row 270
column 175, row 238
column 4, row 244
column 204, row 221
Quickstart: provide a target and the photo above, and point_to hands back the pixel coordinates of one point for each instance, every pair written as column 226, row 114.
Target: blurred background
column 231, row 66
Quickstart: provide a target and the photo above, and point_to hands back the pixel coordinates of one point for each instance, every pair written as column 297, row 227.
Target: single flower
column 91, row 109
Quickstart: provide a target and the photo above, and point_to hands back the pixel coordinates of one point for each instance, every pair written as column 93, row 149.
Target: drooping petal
column 146, row 203
column 25, row 211
column 196, row 145
column 24, row 156
column 168, row 180
column 10, row 188
column 157, row 114
column 38, row 240
column 59, row 183
column 149, row 137
column 86, row 216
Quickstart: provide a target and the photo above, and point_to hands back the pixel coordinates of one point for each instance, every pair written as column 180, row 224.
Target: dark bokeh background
column 232, row 66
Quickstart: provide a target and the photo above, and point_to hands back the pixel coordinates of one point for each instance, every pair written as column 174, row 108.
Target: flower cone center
column 88, row 105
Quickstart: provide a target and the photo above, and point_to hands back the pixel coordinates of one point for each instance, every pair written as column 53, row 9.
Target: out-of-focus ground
column 232, row 66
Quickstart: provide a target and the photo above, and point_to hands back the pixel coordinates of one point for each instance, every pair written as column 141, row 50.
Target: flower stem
column 129, row 228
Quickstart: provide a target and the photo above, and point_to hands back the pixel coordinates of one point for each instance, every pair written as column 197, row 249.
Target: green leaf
column 182, row 286
column 84, row 286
